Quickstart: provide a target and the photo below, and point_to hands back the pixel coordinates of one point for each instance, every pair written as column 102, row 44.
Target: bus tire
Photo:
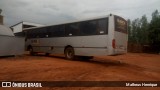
column 69, row 53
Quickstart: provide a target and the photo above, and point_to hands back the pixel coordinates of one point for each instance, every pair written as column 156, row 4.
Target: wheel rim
column 69, row 53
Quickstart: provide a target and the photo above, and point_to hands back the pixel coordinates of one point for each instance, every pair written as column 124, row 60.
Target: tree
column 140, row 31
column 154, row 31
column 144, row 30
column 129, row 30
column 136, row 31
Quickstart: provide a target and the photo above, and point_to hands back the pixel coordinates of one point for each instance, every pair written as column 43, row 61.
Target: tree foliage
column 140, row 31
column 154, row 28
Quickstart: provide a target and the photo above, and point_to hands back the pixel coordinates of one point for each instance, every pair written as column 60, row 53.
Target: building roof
column 5, row 31
column 28, row 23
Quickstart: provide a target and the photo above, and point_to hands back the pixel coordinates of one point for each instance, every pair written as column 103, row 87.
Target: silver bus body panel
column 121, row 39
column 83, row 45
column 121, row 43
column 110, row 35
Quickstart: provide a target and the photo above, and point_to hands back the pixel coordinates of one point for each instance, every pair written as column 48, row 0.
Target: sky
column 50, row 12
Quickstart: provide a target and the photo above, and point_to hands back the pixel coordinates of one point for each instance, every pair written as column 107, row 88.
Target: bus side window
column 49, row 31
column 55, row 31
column 102, row 26
column 88, row 27
column 73, row 30
column 59, row 31
column 31, row 34
column 34, row 33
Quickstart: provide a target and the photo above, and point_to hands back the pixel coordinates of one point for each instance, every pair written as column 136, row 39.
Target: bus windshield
column 120, row 24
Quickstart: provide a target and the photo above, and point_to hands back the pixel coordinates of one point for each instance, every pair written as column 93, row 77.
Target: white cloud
column 59, row 11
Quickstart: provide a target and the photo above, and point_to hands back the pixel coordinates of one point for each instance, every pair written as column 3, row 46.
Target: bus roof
column 70, row 22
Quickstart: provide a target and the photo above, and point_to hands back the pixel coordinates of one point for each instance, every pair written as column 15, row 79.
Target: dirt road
column 129, row 67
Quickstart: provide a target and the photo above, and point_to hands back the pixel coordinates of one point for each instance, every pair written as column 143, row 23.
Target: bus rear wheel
column 69, row 53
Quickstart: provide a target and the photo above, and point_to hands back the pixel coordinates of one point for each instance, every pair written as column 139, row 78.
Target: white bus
column 99, row 36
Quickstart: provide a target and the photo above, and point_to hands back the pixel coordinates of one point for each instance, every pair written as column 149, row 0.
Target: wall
column 17, row 28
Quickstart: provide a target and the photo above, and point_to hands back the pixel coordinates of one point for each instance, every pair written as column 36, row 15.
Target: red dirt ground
column 128, row 67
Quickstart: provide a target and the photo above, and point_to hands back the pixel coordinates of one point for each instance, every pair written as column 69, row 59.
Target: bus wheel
column 31, row 51
column 69, row 53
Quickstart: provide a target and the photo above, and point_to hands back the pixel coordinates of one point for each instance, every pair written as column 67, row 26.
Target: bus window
column 88, row 27
column 103, row 26
column 120, row 24
column 31, row 33
column 72, row 30
column 42, row 32
column 56, row 31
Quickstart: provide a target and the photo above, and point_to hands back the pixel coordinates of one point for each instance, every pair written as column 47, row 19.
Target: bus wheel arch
column 30, row 49
column 69, row 52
